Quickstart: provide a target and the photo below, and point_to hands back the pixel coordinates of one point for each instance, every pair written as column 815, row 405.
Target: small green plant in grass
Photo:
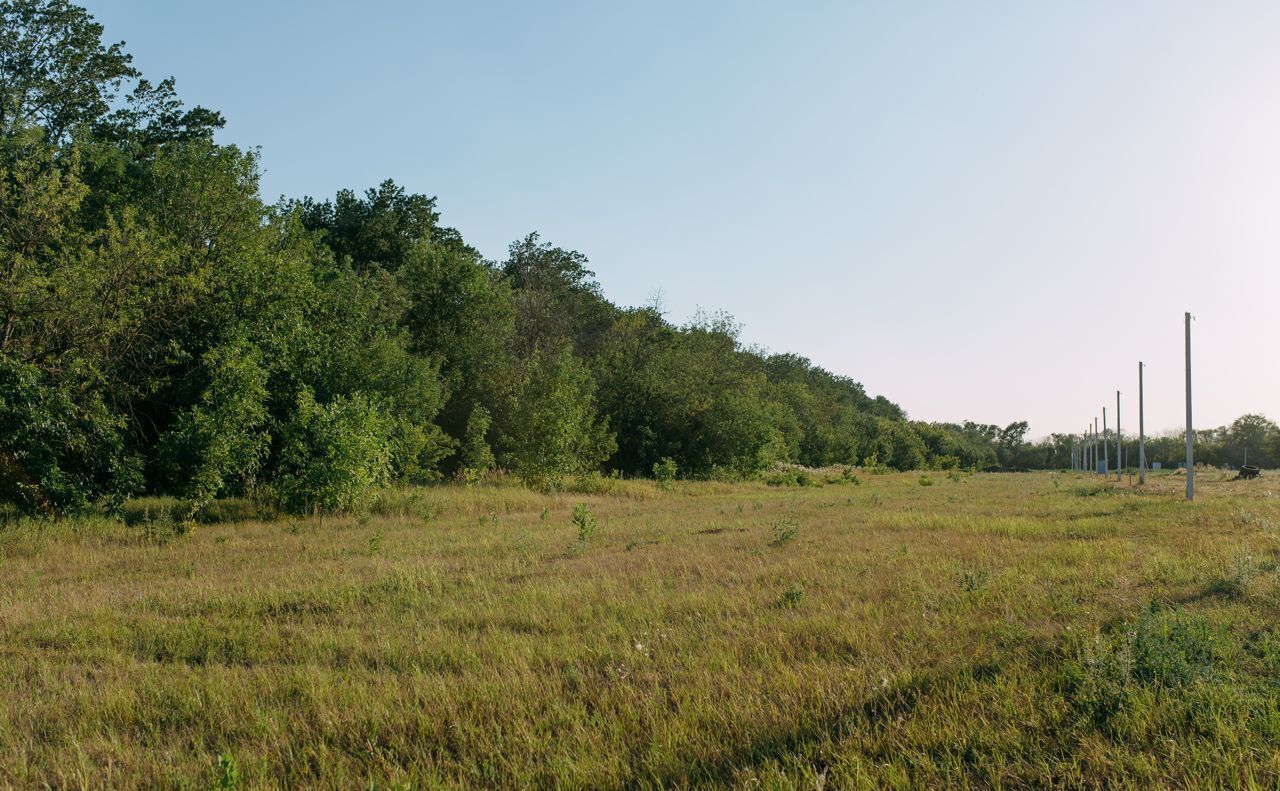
column 160, row 527
column 784, row 530
column 228, row 773
column 974, row 580
column 791, row 598
column 850, row 476
column 375, row 543
column 545, row 510
column 925, row 480
column 955, row 476
column 585, row 522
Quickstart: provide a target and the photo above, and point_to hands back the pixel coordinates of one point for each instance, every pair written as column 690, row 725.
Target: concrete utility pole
column 1106, row 446
column 1095, row 444
column 1119, row 457
column 1142, row 435
column 1191, row 437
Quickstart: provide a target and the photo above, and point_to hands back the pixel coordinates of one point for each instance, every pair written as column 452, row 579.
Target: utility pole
column 1119, row 442
column 1106, row 445
column 1191, row 437
column 1095, row 444
column 1142, row 435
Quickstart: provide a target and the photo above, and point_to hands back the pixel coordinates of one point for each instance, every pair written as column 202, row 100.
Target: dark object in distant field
column 1247, row 472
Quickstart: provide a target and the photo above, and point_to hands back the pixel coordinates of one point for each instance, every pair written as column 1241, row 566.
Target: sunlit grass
column 985, row 630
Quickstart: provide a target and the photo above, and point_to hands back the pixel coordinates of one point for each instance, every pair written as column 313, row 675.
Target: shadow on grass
column 873, row 714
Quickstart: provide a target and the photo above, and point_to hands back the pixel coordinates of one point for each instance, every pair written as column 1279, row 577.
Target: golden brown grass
column 984, row 631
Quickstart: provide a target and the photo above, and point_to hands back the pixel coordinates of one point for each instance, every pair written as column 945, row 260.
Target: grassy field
column 1039, row 630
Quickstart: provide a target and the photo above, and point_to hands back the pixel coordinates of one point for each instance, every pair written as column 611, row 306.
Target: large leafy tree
column 380, row 229
column 556, row 297
column 55, row 71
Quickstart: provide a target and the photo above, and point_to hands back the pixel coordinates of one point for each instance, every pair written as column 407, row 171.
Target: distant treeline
column 164, row 330
column 1250, row 439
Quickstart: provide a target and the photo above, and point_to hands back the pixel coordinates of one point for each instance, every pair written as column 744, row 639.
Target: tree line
column 163, row 329
column 1249, row 439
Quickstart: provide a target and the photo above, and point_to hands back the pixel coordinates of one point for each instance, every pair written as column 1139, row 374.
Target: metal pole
column 1191, row 437
column 1142, row 435
column 1119, row 441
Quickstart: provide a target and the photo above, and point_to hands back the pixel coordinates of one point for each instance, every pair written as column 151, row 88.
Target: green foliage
column 585, row 522
column 1163, row 649
column 228, row 776
column 690, row 394
column 791, row 598
column 222, row 437
column 164, row 330
column 665, row 470
column 477, row 457
column 335, row 456
column 56, row 73
column 553, row 430
column 59, row 453
column 782, row 532
column 974, row 580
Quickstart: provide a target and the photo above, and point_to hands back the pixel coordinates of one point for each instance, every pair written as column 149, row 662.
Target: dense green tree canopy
column 164, row 330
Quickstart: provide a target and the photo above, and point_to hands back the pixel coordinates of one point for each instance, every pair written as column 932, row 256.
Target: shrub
column 477, row 456
column 223, row 436
column 334, row 457
column 585, row 521
column 554, row 430
column 62, row 450
column 664, row 470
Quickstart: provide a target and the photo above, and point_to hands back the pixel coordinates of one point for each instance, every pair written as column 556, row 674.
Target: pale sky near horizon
column 982, row 210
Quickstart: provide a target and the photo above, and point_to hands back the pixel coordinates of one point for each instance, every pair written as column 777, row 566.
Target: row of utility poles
column 1085, row 455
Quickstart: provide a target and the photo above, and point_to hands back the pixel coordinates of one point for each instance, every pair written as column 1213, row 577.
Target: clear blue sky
column 980, row 210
